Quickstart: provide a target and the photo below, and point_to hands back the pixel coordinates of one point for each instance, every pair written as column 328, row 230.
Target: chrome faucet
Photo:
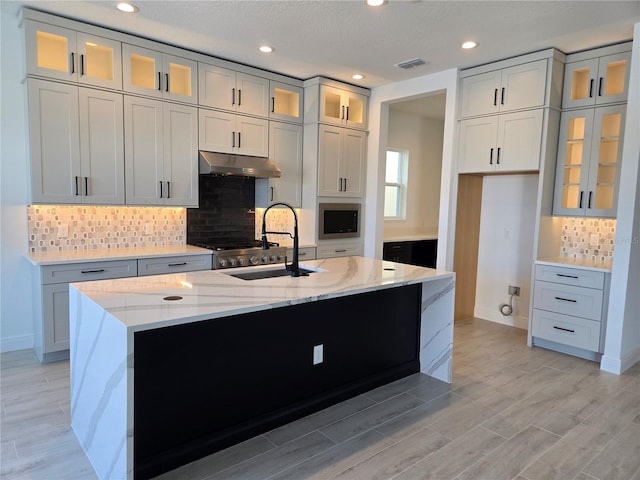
column 294, row 267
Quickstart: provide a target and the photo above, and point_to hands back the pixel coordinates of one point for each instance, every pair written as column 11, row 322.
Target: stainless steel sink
column 260, row 274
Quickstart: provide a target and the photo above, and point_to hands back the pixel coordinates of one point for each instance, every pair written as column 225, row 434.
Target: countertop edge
column 576, row 263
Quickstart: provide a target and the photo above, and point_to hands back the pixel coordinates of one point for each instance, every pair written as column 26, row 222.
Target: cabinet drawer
column 569, row 300
column 305, row 253
column 187, row 263
column 82, row 272
column 570, row 276
column 339, row 251
column 576, row 332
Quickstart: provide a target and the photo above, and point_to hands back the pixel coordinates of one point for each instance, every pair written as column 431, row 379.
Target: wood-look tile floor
column 512, row 412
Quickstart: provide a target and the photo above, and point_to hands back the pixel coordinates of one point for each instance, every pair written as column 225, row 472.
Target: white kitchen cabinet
column 514, row 88
column 343, row 107
column 339, row 250
column 286, row 102
column 285, row 149
column 509, row 142
column 51, row 305
column 588, row 167
column 226, row 132
column 163, row 265
column 569, row 310
column 156, row 74
column 161, row 151
column 64, row 54
column 596, row 81
column 304, row 253
column 76, row 142
column 341, row 161
column 233, row 91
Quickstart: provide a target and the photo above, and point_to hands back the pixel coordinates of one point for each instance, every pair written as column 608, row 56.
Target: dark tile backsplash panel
column 226, row 212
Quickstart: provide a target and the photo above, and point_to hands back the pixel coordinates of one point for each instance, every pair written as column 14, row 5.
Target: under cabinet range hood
column 214, row 163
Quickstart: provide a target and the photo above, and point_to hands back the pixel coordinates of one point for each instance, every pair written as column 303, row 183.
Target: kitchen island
column 169, row 368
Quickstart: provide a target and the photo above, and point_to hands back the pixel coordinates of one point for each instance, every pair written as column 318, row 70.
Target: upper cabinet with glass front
column 588, row 168
column 597, row 77
column 343, row 107
column 156, row 74
column 286, row 102
column 64, row 54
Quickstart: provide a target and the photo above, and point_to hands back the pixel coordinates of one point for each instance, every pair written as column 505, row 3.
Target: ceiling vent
column 416, row 62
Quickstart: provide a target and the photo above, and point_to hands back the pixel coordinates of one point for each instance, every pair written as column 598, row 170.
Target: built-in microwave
column 338, row 220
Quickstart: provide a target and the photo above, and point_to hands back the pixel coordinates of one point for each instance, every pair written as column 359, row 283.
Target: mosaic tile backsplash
column 64, row 227
column 588, row 238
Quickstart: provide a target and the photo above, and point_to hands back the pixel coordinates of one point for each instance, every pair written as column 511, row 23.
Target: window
column 395, row 184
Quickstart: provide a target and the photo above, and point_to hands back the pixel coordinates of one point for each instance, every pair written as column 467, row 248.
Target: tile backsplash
column 65, row 227
column 588, row 238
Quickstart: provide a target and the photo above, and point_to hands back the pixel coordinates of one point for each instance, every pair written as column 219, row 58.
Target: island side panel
column 99, row 386
column 436, row 330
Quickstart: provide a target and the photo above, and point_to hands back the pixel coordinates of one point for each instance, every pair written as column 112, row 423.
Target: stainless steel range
column 244, row 255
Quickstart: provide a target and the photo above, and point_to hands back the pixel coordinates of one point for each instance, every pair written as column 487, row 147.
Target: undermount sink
column 260, row 274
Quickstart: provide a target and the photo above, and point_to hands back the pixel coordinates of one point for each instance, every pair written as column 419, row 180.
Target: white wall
column 422, row 138
column 16, row 316
column 622, row 343
column 505, row 250
column 381, row 97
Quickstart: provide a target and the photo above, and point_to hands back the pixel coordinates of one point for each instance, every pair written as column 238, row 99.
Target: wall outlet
column 514, row 290
column 318, row 354
column 63, row 230
column 594, row 240
column 148, row 229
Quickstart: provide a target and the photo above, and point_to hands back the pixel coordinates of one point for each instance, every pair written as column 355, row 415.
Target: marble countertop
column 139, row 303
column 411, row 238
column 577, row 263
column 102, row 254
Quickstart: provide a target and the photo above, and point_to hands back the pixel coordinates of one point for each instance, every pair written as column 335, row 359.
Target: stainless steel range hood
column 213, row 163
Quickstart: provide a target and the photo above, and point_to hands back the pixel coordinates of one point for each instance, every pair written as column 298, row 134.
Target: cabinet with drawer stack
column 570, row 309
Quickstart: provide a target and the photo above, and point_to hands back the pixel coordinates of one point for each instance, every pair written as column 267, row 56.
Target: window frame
column 401, row 185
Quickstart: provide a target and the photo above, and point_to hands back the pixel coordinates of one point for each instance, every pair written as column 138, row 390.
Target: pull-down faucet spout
column 294, row 267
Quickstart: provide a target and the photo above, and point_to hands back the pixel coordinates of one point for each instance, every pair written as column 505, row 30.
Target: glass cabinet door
column 343, row 107
column 604, row 175
column 142, row 70
column 50, row 51
column 286, row 102
column 572, row 167
column 180, row 79
column 100, row 61
column 613, row 78
column 580, row 83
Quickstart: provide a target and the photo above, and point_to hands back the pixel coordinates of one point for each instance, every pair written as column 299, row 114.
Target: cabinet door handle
column 81, row 65
column 161, row 189
column 345, row 184
column 590, row 198
column 581, row 196
column 160, row 81
column 273, row 104
column 566, row 276
column 495, row 97
column 73, row 62
column 342, row 112
column 239, row 143
column 566, row 299
column 233, row 96
column 498, row 157
column 502, row 97
column 166, row 78
column 86, row 186
column 181, row 264
column 97, row 270
column 600, row 86
column 491, row 157
column 302, row 254
column 239, row 98
column 76, row 194
column 347, row 113
column 591, row 88
column 168, row 189
column 233, row 139
column 564, row 329
column 271, row 194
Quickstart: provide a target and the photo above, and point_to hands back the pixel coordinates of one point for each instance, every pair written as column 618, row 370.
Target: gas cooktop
column 244, row 253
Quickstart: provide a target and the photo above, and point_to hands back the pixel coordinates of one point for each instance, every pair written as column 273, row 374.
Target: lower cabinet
column 422, row 253
column 339, row 250
column 51, row 287
column 304, row 253
column 569, row 310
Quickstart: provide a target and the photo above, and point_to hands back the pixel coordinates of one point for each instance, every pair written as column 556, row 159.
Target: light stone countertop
column 577, row 263
column 104, row 254
column 139, row 302
column 411, row 238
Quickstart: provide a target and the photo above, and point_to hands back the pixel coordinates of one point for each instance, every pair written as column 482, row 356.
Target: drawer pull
column 181, row 264
column 566, row 299
column 99, row 270
column 566, row 276
column 341, row 250
column 564, row 329
column 302, row 254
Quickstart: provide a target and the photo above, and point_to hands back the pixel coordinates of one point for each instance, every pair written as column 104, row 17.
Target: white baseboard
column 620, row 365
column 497, row 317
column 12, row 344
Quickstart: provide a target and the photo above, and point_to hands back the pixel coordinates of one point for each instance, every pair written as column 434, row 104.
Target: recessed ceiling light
column 265, row 49
column 376, row 3
column 469, row 44
column 126, row 7
column 357, row 76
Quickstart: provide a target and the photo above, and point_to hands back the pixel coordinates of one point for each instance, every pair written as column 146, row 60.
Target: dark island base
column 202, row 387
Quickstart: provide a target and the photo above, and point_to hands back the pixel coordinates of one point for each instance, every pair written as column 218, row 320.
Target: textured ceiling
column 337, row 38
